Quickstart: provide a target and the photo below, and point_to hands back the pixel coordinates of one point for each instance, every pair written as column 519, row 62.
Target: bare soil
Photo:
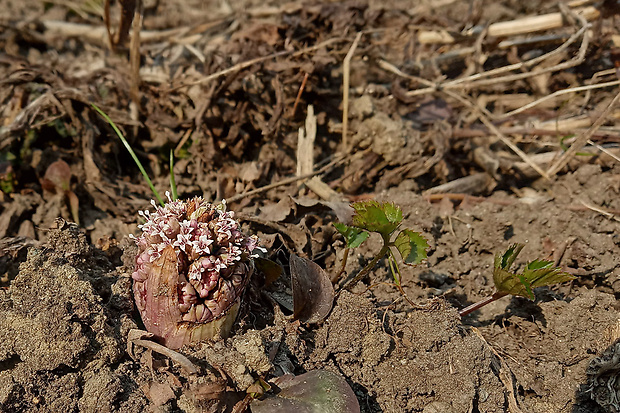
column 227, row 88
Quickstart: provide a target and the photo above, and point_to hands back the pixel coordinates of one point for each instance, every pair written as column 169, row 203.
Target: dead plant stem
column 582, row 139
column 499, row 134
column 286, row 181
column 346, row 72
column 251, row 62
column 173, row 355
column 345, row 256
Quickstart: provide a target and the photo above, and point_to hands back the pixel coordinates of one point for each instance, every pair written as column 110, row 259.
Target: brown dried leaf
column 277, row 212
column 158, row 393
column 57, row 177
column 313, row 293
column 342, row 209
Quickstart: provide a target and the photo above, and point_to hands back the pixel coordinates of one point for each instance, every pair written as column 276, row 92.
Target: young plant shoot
column 385, row 219
column 537, row 273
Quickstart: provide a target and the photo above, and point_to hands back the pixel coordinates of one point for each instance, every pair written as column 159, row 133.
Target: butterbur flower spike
column 192, row 266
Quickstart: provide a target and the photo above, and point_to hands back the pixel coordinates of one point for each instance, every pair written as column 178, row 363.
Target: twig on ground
column 178, row 358
column 305, row 144
column 238, row 197
column 477, row 182
column 526, row 25
column 301, row 90
column 480, row 79
column 251, row 62
column 601, row 211
column 556, row 94
column 346, row 71
column 538, row 23
column 465, row 197
column 605, row 151
column 483, row 118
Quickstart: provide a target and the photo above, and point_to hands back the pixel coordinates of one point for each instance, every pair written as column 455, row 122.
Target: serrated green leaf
column 505, row 260
column 354, row 237
column 541, row 273
column 383, row 218
column 538, row 264
column 537, row 273
column 510, row 283
column 412, row 246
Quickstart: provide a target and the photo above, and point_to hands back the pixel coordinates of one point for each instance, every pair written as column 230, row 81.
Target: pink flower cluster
column 214, row 259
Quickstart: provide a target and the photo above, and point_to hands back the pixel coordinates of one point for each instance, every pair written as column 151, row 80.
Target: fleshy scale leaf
column 354, row 237
column 373, row 216
column 412, row 246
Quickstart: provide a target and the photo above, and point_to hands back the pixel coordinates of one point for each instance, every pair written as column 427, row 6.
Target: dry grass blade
column 556, row 94
column 537, row 23
column 248, row 63
column 481, row 79
column 305, row 144
column 479, row 111
column 238, row 197
column 134, row 53
column 484, row 119
column 582, row 139
column 346, row 72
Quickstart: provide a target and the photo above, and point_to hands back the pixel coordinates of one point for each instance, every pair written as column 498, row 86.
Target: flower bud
column 192, row 266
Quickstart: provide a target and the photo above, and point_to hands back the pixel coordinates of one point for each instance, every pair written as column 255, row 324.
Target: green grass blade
column 173, row 184
column 131, row 152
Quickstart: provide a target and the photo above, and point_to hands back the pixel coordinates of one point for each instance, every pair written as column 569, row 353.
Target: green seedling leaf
column 313, row 293
column 412, row 246
column 383, row 218
column 7, row 178
column 311, row 392
column 513, row 284
column 354, row 237
column 537, row 273
column 505, row 260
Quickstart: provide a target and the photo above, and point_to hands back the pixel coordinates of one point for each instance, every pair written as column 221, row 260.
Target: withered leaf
column 270, row 269
column 57, row 177
column 313, row 293
column 159, row 393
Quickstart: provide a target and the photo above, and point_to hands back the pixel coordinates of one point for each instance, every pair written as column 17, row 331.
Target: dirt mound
column 63, row 327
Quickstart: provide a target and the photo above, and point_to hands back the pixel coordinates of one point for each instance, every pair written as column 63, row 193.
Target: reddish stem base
column 481, row 303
